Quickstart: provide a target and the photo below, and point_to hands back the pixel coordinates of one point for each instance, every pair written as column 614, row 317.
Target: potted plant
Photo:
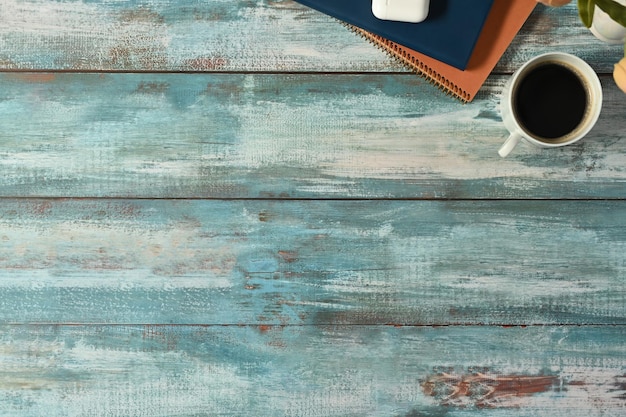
column 607, row 21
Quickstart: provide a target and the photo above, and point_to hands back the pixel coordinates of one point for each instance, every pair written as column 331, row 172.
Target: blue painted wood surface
column 233, row 35
column 241, row 208
column 312, row 370
column 288, row 135
column 312, row 262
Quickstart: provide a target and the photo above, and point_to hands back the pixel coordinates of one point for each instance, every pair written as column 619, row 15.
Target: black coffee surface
column 550, row 101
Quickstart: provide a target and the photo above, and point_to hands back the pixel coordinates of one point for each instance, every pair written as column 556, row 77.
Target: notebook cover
column 503, row 23
column 448, row 34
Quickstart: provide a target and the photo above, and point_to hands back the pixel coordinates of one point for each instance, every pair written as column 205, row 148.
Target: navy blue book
column 448, row 34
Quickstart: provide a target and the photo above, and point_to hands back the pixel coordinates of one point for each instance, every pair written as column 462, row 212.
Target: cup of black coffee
column 552, row 100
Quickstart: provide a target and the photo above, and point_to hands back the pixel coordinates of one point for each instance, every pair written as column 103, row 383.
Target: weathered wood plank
column 312, row 371
column 218, row 35
column 248, row 136
column 312, row 262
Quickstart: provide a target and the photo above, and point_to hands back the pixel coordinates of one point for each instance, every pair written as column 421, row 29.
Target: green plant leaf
column 585, row 11
column 613, row 9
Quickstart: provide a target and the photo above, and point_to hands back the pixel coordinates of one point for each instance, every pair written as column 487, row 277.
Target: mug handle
column 509, row 144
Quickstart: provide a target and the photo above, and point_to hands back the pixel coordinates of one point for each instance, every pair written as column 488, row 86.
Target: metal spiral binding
column 396, row 52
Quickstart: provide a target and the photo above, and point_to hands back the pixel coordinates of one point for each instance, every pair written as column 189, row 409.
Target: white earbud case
column 413, row 11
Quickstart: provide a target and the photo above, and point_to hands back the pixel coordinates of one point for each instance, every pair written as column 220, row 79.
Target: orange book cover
column 503, row 23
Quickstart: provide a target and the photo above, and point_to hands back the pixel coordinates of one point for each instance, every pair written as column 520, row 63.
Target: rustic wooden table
column 229, row 207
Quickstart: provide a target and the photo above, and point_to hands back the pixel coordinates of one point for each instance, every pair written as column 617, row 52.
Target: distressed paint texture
column 312, row 262
column 228, row 35
column 232, row 207
column 309, row 370
column 284, row 135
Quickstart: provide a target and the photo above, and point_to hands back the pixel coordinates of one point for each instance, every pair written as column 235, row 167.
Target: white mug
column 521, row 101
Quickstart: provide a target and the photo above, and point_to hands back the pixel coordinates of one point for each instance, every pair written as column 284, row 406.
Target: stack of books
column 456, row 47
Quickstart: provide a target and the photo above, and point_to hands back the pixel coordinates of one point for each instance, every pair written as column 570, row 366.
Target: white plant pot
column 606, row 29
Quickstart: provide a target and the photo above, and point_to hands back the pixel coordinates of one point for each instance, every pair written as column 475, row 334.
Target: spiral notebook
column 502, row 25
column 462, row 76
column 448, row 34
